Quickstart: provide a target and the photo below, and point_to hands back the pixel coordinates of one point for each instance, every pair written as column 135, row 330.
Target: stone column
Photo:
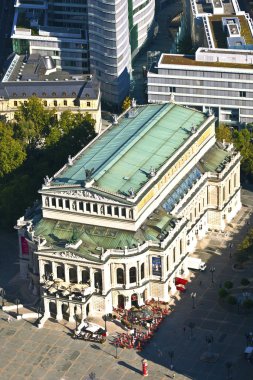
column 92, row 279
column 46, row 307
column 66, row 272
column 41, row 270
column 71, row 312
column 138, row 274
column 79, row 274
column 54, row 269
column 103, row 281
column 127, row 276
column 59, row 316
column 163, row 268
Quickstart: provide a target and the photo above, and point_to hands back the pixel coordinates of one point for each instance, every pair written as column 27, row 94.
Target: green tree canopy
column 126, row 103
column 223, row 132
column 33, row 122
column 12, row 154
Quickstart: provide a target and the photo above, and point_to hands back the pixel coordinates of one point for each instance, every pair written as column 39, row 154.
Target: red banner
column 24, row 246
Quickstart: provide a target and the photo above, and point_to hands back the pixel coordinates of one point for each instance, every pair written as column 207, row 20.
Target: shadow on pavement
column 124, row 364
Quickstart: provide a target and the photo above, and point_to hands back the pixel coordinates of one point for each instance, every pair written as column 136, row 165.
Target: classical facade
column 218, row 77
column 117, row 222
column 59, row 91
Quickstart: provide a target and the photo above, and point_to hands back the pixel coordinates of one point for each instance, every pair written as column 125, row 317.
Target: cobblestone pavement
column 51, row 354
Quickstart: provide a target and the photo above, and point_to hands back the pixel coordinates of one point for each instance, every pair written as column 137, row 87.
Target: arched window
column 120, row 276
column 24, row 94
column 142, row 271
column 64, row 94
column 34, row 94
column 73, row 93
column 53, row 93
column 44, row 94
column 132, row 275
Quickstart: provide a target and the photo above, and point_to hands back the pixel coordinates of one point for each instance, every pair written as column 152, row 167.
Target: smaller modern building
column 38, row 76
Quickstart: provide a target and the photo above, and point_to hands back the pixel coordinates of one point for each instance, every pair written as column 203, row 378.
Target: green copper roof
column 212, row 160
column 59, row 233
column 122, row 157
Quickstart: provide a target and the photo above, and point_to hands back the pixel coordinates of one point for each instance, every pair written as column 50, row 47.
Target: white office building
column 219, row 76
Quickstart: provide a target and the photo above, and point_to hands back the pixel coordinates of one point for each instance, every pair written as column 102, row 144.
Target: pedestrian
column 10, row 319
column 200, row 283
column 171, row 366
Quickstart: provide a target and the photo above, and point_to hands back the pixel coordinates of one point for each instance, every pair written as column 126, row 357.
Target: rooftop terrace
column 220, row 36
column 174, row 59
column 123, row 156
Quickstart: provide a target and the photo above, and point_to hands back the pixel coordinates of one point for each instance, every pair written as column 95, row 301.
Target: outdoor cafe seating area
column 141, row 323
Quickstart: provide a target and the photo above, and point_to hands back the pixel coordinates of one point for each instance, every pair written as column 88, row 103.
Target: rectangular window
column 60, row 203
column 172, row 89
column 55, row 103
column 116, row 211
column 54, row 202
column 109, row 210
column 65, row 102
column 67, row 204
column 95, row 208
column 15, row 103
column 242, row 94
column 81, row 206
column 88, row 207
column 88, row 104
column 45, row 103
column 123, row 212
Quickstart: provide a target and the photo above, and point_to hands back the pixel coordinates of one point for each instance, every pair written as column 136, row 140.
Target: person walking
column 10, row 319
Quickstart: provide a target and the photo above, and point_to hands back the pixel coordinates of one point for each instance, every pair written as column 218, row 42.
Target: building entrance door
column 121, row 301
column 134, row 300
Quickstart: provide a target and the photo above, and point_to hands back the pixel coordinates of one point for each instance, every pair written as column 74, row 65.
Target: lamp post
column 191, row 327
column 17, row 303
column 230, row 250
column 75, row 316
column 2, row 292
column 105, row 319
column 116, row 351
column 171, row 356
column 193, row 296
column 209, row 341
column 229, row 366
column 212, row 270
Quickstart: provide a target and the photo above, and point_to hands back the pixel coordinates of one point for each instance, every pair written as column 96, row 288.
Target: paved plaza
column 51, row 353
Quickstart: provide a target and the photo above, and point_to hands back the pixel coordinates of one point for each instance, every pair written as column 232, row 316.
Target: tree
column 33, row 122
column 126, row 104
column 12, row 154
column 223, row 293
column 228, row 284
column 248, row 303
column 243, row 142
column 245, row 282
column 232, row 300
column 224, row 133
